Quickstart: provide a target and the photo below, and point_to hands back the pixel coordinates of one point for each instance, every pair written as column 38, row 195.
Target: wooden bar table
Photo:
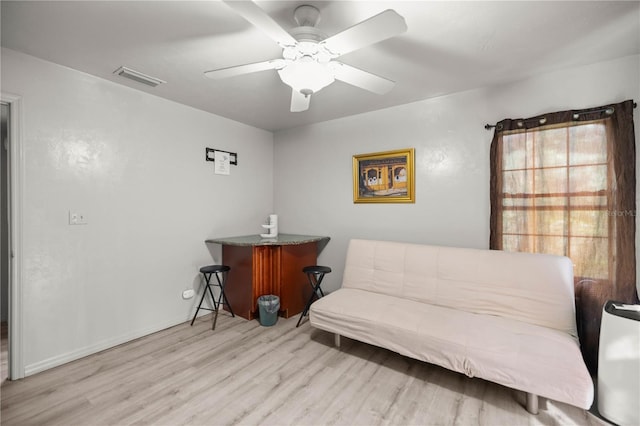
column 262, row 266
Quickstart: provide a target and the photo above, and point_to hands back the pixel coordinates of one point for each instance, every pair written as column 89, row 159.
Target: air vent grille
column 138, row 76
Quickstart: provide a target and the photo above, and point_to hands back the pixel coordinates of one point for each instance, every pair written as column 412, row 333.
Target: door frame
column 15, row 200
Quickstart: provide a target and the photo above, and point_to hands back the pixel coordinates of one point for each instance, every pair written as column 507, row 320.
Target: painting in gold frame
column 384, row 177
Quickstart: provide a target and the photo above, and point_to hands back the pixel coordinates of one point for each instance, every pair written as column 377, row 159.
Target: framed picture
column 384, row 177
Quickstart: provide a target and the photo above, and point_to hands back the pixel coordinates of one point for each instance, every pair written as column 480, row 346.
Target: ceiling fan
column 308, row 56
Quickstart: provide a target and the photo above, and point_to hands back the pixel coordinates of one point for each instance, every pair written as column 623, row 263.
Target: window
column 555, row 196
column 564, row 183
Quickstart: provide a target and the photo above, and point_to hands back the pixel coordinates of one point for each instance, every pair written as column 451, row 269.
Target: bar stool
column 207, row 272
column 315, row 274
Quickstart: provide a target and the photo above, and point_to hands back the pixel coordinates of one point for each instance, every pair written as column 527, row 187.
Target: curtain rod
column 575, row 116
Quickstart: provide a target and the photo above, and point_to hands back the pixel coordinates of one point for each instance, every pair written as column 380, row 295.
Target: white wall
column 313, row 164
column 135, row 165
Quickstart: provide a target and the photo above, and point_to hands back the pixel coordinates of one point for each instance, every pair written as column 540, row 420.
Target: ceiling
column 449, row 47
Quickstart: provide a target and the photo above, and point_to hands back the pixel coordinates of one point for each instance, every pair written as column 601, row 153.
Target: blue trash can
column 268, row 306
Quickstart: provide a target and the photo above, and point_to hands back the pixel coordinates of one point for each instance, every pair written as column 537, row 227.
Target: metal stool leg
column 216, row 306
column 207, row 278
column 213, row 299
column 314, row 295
column 222, row 299
column 223, row 295
column 215, row 319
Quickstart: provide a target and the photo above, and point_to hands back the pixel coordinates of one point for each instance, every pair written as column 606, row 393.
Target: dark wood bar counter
column 262, row 266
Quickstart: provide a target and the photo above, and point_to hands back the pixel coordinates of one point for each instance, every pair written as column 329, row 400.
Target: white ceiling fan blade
column 363, row 79
column 299, row 102
column 244, row 69
column 377, row 28
column 258, row 17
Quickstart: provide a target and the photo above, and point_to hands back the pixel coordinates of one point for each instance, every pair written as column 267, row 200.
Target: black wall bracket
column 233, row 156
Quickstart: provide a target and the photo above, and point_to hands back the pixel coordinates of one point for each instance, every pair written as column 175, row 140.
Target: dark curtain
column 511, row 212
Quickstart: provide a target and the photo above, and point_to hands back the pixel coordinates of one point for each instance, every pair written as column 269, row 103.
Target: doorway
column 11, row 165
column 4, row 240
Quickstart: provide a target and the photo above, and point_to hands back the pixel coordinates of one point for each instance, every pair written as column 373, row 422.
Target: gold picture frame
column 384, row 177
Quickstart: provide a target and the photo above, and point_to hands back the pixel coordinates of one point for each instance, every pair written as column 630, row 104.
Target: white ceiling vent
column 138, row 76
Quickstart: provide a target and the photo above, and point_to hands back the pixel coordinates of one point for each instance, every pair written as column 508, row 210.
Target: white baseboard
column 100, row 346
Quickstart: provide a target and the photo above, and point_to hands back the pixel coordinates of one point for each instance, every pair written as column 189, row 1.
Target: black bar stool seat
column 214, row 269
column 315, row 274
column 207, row 272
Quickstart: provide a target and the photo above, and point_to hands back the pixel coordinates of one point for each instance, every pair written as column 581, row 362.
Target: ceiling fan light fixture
column 307, row 63
column 306, row 75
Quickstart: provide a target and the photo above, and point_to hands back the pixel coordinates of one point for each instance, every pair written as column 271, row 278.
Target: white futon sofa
column 504, row 317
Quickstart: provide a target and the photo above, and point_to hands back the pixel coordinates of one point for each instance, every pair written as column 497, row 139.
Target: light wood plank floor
column 246, row 374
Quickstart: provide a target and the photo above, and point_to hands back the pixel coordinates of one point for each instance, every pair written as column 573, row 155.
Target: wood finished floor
column 246, row 374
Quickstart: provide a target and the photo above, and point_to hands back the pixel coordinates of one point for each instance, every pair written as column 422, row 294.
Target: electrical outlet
column 77, row 218
column 188, row 294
